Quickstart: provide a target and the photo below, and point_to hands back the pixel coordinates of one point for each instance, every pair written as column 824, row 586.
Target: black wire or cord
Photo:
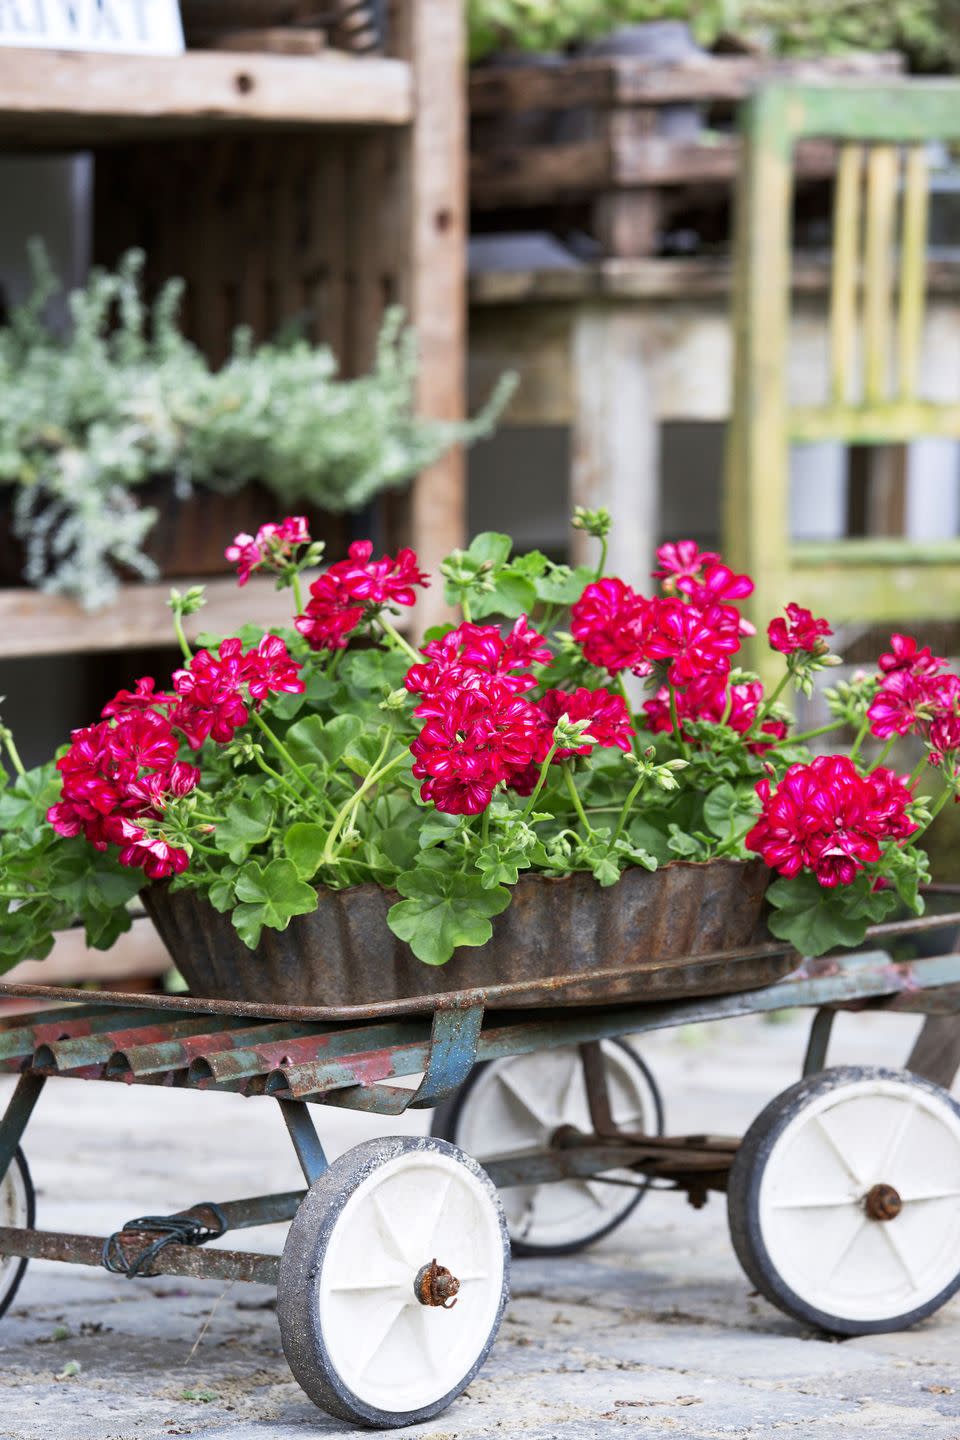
column 169, row 1230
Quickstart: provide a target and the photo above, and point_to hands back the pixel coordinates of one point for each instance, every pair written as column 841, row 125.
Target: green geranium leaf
column 248, row 822
column 444, row 909
column 728, row 811
column 490, row 548
column 270, row 895
column 313, row 741
column 437, row 827
column 511, row 596
column 304, row 846
column 816, row 919
column 25, row 804
column 223, row 892
column 563, row 586
column 646, row 836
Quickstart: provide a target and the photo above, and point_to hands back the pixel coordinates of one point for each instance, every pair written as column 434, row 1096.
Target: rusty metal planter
column 653, row 925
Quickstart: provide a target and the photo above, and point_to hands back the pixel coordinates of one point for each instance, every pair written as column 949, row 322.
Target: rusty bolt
column 435, row 1285
column 882, row 1202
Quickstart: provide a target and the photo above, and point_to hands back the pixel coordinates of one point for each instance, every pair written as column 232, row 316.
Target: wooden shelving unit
column 325, row 186
column 48, row 99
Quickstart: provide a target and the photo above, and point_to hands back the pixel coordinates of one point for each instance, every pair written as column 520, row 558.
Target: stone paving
column 654, row 1331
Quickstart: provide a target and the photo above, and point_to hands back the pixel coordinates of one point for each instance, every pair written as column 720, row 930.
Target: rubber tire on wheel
column 636, row 1104
column 796, row 1200
column 17, row 1211
column 356, row 1246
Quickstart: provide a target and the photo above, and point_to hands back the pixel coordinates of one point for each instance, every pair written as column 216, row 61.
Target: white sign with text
column 127, row 27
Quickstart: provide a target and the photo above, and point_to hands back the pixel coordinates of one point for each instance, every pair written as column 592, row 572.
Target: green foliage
column 444, row 908
column 927, row 31
column 123, row 398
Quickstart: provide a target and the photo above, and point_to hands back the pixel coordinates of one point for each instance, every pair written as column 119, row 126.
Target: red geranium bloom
column 682, row 560
column 380, row 582
column 144, row 697
column 695, row 642
column 800, row 631
column 907, row 701
column 157, row 856
column 330, row 614
column 827, row 818
column 607, row 713
column 143, row 738
column 463, row 656
column 710, row 698
column 270, row 669
column 610, row 622
column 457, row 797
column 905, row 654
column 272, row 545
column 477, row 739
column 211, row 695
column 719, row 585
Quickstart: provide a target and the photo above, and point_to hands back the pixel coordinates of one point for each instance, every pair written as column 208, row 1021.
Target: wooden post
column 615, row 459
column 430, row 35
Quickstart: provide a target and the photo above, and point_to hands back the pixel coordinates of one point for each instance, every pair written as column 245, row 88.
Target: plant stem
column 390, row 629
column 602, row 563
column 769, row 703
column 465, row 607
column 12, row 751
column 675, row 722
column 376, row 774
column 269, row 770
column 947, row 791
column 622, row 687
column 918, row 770
column 860, row 737
column 282, row 750
column 297, row 593
column 540, row 781
column 575, row 797
column 625, row 810
column 883, row 753
column 808, row 734
column 184, row 644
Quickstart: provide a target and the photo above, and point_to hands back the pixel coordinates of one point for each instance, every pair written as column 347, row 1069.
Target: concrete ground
column 653, row 1331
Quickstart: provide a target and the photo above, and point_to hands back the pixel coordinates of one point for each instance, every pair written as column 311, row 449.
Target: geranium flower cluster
column 827, row 818
column 710, row 697
column 214, row 692
column 272, row 547
column 916, row 695
column 120, row 774
column 353, row 590
column 480, row 732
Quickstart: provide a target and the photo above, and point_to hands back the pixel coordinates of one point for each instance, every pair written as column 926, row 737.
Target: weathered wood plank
column 883, row 163
column 60, row 95
column 843, row 286
column 433, row 167
column 913, row 254
column 888, row 424
column 539, row 174
column 917, row 581
column 936, row 1052
column 495, row 90
column 36, row 624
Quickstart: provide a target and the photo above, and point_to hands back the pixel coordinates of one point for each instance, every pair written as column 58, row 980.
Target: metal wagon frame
column 308, row 1057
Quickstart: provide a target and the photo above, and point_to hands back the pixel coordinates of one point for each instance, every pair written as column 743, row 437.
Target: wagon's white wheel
column 844, row 1200
column 16, row 1212
column 519, row 1103
column 393, row 1281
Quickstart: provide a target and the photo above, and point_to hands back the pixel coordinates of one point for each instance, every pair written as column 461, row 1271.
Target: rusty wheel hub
column 882, row 1202
column 436, row 1286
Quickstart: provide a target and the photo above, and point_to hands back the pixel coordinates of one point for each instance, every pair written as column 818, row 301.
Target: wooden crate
column 587, row 144
column 315, row 188
column 282, row 27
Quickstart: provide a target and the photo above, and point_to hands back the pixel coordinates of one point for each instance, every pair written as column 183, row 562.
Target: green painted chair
column 878, row 290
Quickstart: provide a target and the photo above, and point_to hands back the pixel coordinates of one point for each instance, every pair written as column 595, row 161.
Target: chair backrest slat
column 844, row 278
column 883, row 164
column 913, row 269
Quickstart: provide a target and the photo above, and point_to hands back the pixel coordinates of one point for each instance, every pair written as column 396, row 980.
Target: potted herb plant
column 123, row 452
column 333, row 814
